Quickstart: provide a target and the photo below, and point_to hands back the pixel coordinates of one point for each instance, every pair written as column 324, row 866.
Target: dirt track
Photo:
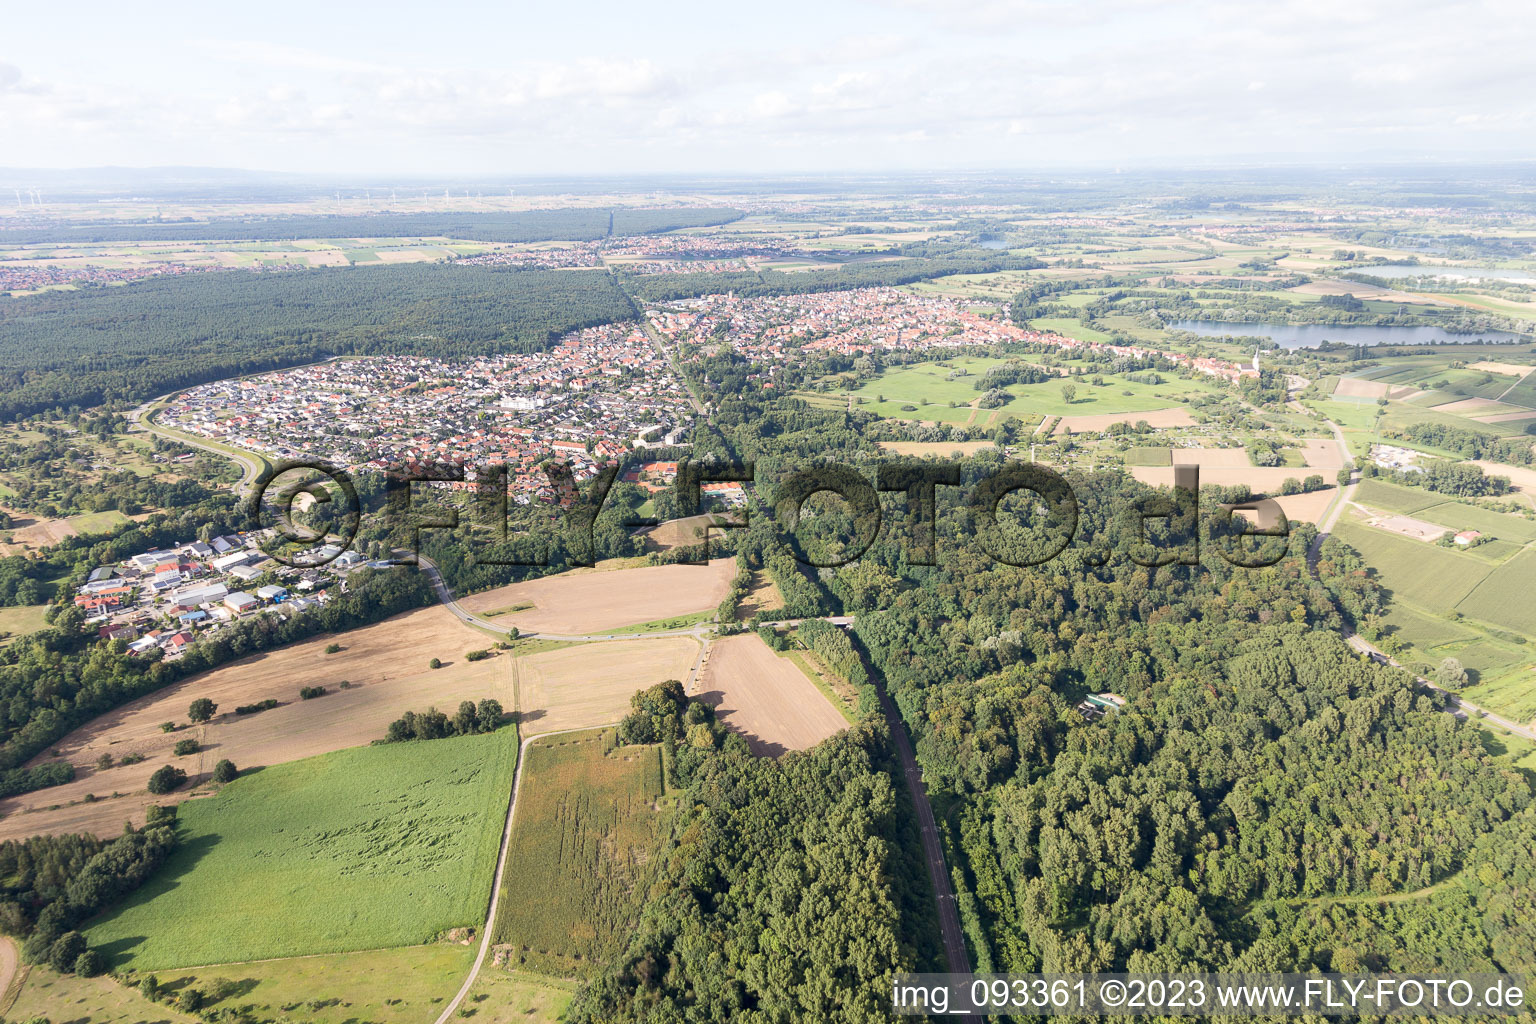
column 766, row 698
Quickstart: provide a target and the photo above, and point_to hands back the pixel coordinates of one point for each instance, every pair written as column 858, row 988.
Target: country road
column 501, row 869
column 10, row 964
column 955, row 951
column 1455, row 704
column 1341, row 500
column 250, row 465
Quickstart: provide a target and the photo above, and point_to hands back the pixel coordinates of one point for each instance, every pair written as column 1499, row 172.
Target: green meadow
column 359, row 849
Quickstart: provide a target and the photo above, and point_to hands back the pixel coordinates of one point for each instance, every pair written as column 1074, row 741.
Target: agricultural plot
column 766, row 698
column 1148, row 457
column 1392, row 498
column 1460, row 516
column 361, row 849
column 1429, row 576
column 384, row 986
column 1504, row 597
column 591, row 601
column 589, row 685
column 386, row 666
column 586, row 819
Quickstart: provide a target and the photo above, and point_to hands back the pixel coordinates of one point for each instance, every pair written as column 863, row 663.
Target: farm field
column 384, row 986
column 936, row 448
column 589, row 685
column 590, row 601
column 1390, row 497
column 1504, row 597
column 766, row 698
column 1427, row 575
column 586, row 818
column 1460, row 516
column 360, row 849
column 70, row 999
column 386, row 664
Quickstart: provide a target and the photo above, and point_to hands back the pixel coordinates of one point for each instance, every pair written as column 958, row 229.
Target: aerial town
column 598, row 393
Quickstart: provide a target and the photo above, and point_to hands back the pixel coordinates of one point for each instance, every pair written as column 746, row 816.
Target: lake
column 1313, row 335
column 1396, row 270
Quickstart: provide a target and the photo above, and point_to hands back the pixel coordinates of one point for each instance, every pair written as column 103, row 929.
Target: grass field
column 383, row 986
column 19, row 620
column 586, row 818
column 68, row 999
column 359, row 849
column 1460, row 516
column 1148, row 457
column 1392, row 498
column 1070, row 328
column 929, row 383
column 518, row 997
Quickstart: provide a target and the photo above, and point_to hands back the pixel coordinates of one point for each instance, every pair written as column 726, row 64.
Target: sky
column 829, row 86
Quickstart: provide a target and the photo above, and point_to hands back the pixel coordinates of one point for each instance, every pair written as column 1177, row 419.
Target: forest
column 863, row 274
column 124, row 345
column 574, row 225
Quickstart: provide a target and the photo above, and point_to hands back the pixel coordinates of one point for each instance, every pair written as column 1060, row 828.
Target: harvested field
column 763, row 595
column 1504, row 417
column 1513, row 369
column 1354, row 387
column 1322, row 454
column 766, row 698
column 1260, row 479
column 1309, row 508
column 1212, row 457
column 677, row 533
column 1522, row 478
column 958, row 449
column 386, row 663
column 590, row 601
column 1162, row 418
column 590, row 684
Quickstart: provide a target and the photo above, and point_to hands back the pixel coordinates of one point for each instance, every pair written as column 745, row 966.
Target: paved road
column 1456, row 705
column 250, row 466
column 666, row 353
